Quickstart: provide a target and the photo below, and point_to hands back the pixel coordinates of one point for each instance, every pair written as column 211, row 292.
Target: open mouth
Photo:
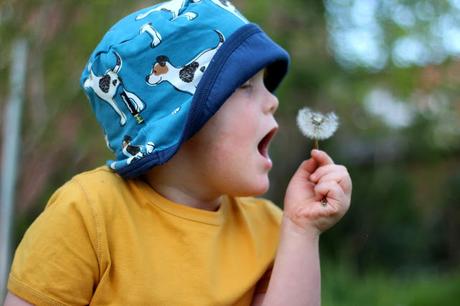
column 265, row 142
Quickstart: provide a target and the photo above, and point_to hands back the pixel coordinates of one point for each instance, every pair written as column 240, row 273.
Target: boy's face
column 230, row 152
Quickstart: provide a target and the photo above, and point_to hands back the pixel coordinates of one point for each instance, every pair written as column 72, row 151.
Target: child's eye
column 246, row 85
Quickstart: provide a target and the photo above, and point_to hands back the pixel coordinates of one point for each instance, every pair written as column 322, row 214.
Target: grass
column 341, row 287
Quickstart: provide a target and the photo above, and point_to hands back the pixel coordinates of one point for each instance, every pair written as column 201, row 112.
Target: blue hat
column 159, row 74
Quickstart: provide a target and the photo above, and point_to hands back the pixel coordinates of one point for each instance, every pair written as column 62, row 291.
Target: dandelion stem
column 315, row 144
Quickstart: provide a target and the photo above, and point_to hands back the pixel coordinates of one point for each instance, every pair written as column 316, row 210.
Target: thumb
column 321, row 157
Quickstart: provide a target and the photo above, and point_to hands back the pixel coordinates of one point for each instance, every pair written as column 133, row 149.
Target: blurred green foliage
column 342, row 287
column 404, row 219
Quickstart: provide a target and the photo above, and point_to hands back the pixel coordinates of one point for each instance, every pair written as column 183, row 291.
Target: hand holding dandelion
column 317, row 126
column 318, row 180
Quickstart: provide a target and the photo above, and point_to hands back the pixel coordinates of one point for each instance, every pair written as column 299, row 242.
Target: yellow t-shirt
column 102, row 240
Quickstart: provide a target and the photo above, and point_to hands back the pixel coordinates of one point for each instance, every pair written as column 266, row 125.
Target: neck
column 182, row 187
column 184, row 196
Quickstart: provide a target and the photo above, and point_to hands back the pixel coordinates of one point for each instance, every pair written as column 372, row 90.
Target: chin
column 244, row 182
column 260, row 192
column 255, row 188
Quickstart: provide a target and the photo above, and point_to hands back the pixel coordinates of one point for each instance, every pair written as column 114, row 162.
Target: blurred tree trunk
column 10, row 152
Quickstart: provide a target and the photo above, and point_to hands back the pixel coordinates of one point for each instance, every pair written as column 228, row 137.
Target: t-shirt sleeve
column 56, row 262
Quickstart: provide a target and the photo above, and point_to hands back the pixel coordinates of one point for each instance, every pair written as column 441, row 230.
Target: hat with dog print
column 160, row 73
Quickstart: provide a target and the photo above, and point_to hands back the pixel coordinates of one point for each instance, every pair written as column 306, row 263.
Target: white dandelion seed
column 315, row 125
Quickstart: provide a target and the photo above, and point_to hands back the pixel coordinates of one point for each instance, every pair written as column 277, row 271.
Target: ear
column 162, row 60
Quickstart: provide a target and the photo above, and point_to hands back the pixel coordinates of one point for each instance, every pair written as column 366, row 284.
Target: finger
column 306, row 168
column 321, row 157
column 334, row 196
column 324, row 170
column 330, row 171
column 331, row 191
column 343, row 179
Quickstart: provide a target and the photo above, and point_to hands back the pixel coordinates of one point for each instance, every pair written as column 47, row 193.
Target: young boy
column 183, row 92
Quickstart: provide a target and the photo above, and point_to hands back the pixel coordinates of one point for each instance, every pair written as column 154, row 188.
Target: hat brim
column 245, row 53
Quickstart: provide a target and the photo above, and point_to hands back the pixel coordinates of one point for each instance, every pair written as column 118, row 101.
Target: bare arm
column 296, row 275
column 13, row 300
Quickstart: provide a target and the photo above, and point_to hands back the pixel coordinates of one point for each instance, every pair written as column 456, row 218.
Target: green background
column 398, row 244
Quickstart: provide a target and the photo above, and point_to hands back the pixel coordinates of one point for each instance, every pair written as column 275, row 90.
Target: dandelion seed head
column 315, row 125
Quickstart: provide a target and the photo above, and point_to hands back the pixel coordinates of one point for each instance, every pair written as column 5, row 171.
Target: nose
column 271, row 104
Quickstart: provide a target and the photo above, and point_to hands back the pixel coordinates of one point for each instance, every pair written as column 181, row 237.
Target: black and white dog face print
column 135, row 152
column 174, row 7
column 106, row 88
column 184, row 78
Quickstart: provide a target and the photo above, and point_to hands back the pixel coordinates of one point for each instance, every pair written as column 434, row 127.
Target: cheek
column 227, row 160
column 229, row 141
column 232, row 137
column 222, row 154
column 242, row 132
column 236, row 148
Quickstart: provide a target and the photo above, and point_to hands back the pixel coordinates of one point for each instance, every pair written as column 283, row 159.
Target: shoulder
column 101, row 177
column 93, row 185
column 89, row 195
column 90, row 180
column 73, row 204
column 98, row 191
